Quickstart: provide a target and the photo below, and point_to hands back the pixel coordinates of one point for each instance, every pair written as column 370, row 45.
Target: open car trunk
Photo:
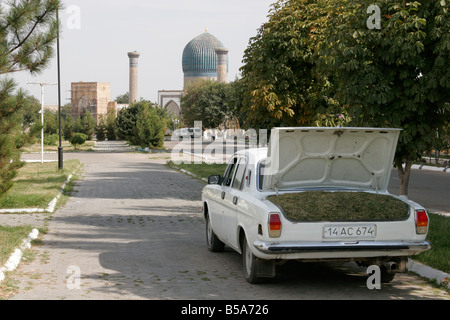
column 341, row 174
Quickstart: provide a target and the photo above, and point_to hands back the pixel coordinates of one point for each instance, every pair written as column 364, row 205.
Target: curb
column 191, row 174
column 425, row 271
column 175, row 167
column 13, row 262
column 430, row 168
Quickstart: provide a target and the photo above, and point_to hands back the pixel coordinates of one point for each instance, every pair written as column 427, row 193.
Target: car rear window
column 260, row 180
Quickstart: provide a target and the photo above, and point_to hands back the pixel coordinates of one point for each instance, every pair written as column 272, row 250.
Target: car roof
column 254, row 154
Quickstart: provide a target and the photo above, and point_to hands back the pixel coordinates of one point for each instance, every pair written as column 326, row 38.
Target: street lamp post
column 42, row 84
column 60, row 148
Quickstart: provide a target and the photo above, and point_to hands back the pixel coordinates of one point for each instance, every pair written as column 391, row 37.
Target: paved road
column 429, row 188
column 133, row 230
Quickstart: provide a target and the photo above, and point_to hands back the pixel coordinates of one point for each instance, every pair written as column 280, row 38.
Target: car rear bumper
column 397, row 247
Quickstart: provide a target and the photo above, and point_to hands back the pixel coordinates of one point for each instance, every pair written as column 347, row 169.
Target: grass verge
column 37, row 184
column 36, row 148
column 200, row 170
column 439, row 256
column 10, row 239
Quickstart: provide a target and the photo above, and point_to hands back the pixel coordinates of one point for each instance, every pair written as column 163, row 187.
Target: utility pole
column 42, row 84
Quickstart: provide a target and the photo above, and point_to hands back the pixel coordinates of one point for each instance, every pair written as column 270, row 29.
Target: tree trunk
column 404, row 174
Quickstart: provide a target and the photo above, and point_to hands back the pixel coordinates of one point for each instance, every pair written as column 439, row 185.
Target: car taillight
column 274, row 225
column 421, row 222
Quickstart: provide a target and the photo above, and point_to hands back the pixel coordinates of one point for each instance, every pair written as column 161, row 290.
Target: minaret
column 134, row 61
column 222, row 64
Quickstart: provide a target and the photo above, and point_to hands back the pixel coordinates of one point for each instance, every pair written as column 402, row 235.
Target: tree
column 28, row 30
column 77, row 126
column 31, row 110
column 126, row 121
column 324, row 57
column 85, row 124
column 283, row 88
column 100, row 129
column 88, row 124
column 66, row 121
column 141, row 125
column 106, row 126
column 395, row 76
column 50, row 122
column 206, row 101
column 149, row 128
column 110, row 125
column 123, row 98
column 68, row 127
column 31, row 121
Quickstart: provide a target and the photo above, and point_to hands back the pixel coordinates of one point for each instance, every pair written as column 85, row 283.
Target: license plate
column 350, row 232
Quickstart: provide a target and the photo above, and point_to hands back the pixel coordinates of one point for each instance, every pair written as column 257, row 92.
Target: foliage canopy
column 28, row 30
column 141, row 124
column 323, row 57
column 208, row 101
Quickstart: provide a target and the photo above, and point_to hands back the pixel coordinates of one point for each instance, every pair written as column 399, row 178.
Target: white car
column 273, row 204
column 195, row 133
column 180, row 134
column 187, row 133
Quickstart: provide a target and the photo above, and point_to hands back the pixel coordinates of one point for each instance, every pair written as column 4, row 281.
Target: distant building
column 203, row 57
column 171, row 101
column 53, row 109
column 134, row 71
column 113, row 105
column 90, row 96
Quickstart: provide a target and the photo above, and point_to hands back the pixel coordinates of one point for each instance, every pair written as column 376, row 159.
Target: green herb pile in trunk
column 318, row 206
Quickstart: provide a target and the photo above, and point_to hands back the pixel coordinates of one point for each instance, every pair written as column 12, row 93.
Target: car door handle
column 223, row 195
column 235, row 200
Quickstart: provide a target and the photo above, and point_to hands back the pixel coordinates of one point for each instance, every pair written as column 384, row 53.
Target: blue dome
column 199, row 56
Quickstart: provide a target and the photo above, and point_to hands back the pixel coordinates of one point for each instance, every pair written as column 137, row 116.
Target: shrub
column 78, row 139
column 149, row 129
column 141, row 125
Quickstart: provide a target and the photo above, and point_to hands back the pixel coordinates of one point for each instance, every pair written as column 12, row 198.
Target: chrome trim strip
column 299, row 247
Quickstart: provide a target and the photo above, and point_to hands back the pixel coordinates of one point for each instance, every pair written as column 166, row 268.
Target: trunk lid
column 344, row 158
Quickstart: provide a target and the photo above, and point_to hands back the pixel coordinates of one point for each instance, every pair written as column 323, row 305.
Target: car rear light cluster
column 421, row 222
column 274, row 225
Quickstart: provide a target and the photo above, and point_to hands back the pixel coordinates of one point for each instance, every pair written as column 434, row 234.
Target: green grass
column 315, row 206
column 36, row 185
column 201, row 170
column 439, row 236
column 10, row 239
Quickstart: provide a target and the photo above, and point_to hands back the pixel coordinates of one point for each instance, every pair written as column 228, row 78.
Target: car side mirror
column 215, row 179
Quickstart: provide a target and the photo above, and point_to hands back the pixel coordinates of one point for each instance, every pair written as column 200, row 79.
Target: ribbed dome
column 199, row 56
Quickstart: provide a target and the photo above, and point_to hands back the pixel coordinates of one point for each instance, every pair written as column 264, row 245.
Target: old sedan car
column 315, row 194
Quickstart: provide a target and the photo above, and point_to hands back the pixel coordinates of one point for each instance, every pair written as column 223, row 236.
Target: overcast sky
column 98, row 34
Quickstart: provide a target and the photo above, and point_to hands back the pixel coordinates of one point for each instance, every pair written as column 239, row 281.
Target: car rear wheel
column 213, row 242
column 250, row 265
